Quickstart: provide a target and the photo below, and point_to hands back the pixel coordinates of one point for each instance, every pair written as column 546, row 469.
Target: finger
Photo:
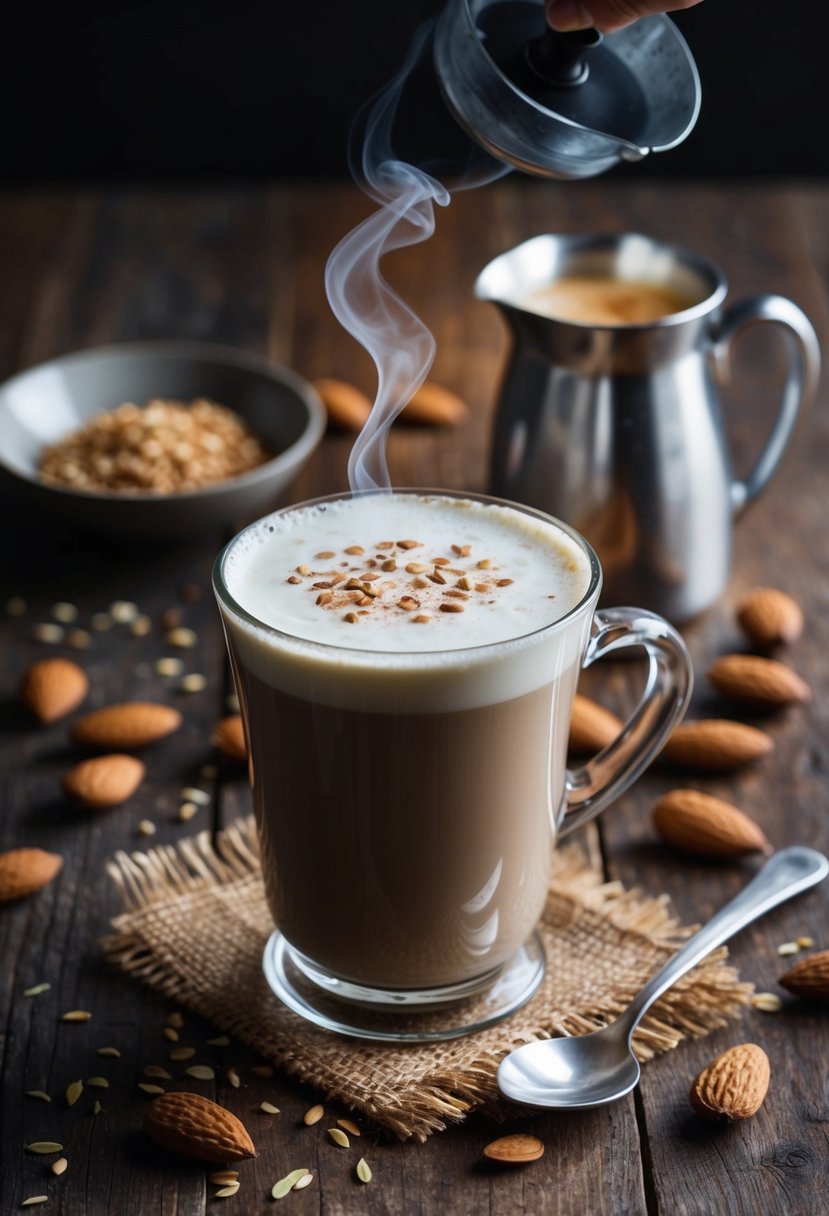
column 606, row 15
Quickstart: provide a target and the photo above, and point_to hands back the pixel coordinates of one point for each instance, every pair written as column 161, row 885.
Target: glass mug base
column 402, row 1015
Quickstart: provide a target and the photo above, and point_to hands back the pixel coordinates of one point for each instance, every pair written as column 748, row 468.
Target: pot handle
column 600, row 781
column 798, row 391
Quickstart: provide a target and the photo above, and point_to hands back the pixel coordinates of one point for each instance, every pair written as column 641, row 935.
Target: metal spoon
column 591, row 1069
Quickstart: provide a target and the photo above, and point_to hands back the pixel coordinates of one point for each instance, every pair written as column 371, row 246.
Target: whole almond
column 52, row 688
column 514, row 1150
column 433, row 405
column 733, row 1086
column 710, row 827
column 715, row 745
column 809, row 977
column 196, row 1127
column 755, row 681
column 347, row 406
column 229, row 737
column 768, row 616
column 104, row 781
column 23, row 871
column 130, row 725
column 592, row 727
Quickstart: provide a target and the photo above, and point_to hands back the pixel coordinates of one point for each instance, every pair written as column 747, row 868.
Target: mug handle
column 798, row 391
column 600, row 781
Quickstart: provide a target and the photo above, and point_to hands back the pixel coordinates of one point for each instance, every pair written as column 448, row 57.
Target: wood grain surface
column 244, row 266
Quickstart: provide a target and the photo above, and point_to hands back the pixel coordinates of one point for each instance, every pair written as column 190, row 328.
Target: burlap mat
column 195, row 927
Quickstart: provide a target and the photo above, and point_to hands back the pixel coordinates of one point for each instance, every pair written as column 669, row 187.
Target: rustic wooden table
column 244, row 266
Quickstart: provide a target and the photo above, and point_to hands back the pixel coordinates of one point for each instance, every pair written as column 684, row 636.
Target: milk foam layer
column 448, row 591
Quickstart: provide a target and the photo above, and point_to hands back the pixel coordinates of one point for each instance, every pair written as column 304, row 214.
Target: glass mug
column 408, row 799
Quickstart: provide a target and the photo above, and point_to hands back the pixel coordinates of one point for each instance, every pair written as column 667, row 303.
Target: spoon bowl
column 593, row 1069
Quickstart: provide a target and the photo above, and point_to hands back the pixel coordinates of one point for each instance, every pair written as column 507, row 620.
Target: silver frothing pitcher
column 617, row 428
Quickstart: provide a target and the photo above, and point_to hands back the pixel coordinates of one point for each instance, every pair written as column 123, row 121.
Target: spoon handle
column 787, row 873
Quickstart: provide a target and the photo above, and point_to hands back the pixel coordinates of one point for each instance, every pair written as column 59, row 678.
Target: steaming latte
column 408, row 709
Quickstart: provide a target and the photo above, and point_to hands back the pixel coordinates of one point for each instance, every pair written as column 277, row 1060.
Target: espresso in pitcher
column 406, row 731
column 604, row 300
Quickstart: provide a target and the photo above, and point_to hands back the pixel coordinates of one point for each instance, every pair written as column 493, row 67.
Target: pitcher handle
column 798, row 391
column 600, row 781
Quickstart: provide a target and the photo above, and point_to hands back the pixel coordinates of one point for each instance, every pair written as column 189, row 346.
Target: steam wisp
column 365, row 304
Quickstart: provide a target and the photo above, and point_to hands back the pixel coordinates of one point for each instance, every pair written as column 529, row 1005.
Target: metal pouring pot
column 563, row 105
column 617, row 428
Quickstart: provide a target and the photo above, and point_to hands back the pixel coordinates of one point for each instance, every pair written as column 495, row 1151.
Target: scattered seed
column 79, row 639
column 76, row 1015
column 769, row 1002
column 146, row 827
column 293, row 580
column 109, row 1051
column 324, row 597
column 98, row 1082
column 73, row 1092
column 349, row 1125
column 805, row 943
column 269, row 1108
column 46, row 632
column 339, row 1137
column 97, row 1108
column 441, row 561
column 186, row 811
column 385, row 544
column 437, row 577
column 389, row 564
column 141, row 626
column 27, row 1203
column 170, row 1033
column 227, row 1191
column 169, row 667
column 220, row 1041
column 454, row 594
column 190, row 794
column 280, row 1189
column 233, row 1078
column 38, row 1093
column 354, row 550
column 37, row 990
column 223, row 1177
column 201, row 1072
column 304, row 571
column 194, row 682
column 408, row 603
column 123, row 612
column 481, row 587
column 182, row 1053
column 351, row 618
column 16, row 606
column 175, row 1019
column 514, row 1150
column 43, row 1146
column 464, row 583
column 325, row 555
column 503, row 582
column 304, row 1181
column 788, row 948
column 59, row 1167
column 101, row 622
column 155, row 1070
column 421, row 619
column 363, row 1170
column 182, row 637
column 65, row 613
column 150, row 1089
column 313, row 1114
column 409, row 544
column 416, row 568
column 263, row 1070
column 451, row 606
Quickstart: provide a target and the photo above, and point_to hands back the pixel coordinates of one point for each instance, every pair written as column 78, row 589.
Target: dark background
column 209, row 89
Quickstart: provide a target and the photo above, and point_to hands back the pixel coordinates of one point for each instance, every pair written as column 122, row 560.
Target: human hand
column 606, row 15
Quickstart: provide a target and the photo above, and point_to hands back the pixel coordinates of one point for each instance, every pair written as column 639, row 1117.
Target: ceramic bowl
column 41, row 405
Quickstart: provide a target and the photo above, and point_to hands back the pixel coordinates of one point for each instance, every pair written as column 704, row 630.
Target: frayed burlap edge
column 380, row 1081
